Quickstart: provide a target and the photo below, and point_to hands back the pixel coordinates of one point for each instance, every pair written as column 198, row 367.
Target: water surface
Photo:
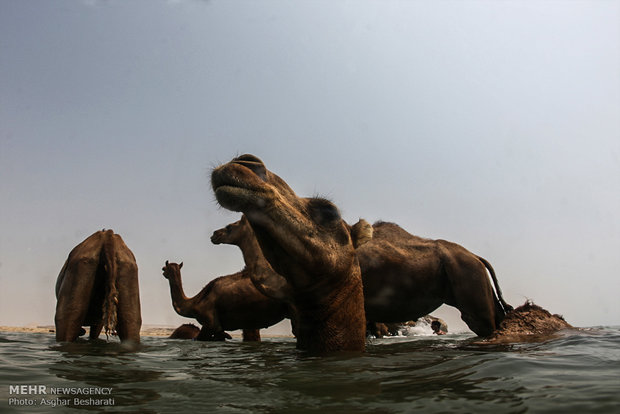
column 578, row 371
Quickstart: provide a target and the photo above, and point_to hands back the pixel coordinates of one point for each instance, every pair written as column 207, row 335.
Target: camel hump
column 361, row 232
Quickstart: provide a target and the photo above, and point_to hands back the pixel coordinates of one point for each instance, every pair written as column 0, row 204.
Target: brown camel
column 240, row 234
column 226, row 303
column 407, row 277
column 185, row 331
column 98, row 287
column 528, row 322
column 397, row 272
column 307, row 242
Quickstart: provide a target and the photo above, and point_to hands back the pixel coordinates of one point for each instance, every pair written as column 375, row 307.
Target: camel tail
column 110, row 301
column 498, row 291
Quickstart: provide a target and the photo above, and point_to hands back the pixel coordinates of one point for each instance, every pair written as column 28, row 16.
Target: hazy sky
column 495, row 125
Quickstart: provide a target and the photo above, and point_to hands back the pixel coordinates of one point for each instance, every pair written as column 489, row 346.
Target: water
column 578, row 371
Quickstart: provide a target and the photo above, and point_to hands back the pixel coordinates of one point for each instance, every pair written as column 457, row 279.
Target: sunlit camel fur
column 307, row 242
column 185, row 331
column 98, row 287
column 226, row 303
column 406, row 277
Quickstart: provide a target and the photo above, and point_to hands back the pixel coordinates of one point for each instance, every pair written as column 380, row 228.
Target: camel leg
column 221, row 336
column 472, row 294
column 95, row 330
column 251, row 335
column 69, row 328
column 74, row 299
column 128, row 311
column 205, row 334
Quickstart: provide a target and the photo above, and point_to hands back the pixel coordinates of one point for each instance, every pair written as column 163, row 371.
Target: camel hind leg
column 74, row 298
column 129, row 317
column 95, row 330
column 129, row 314
column 472, row 292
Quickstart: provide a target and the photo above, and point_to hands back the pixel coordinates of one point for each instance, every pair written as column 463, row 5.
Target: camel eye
column 323, row 211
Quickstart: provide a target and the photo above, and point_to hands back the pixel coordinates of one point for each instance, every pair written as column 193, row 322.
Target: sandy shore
column 145, row 331
column 160, row 331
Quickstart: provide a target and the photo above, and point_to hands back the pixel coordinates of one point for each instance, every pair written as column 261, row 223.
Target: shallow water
column 578, row 371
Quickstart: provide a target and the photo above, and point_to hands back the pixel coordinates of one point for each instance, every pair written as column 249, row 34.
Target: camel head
column 300, row 237
column 172, row 270
column 233, row 233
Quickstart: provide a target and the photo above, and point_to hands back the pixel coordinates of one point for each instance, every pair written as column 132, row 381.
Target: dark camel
column 307, row 242
column 407, row 277
column 98, row 287
column 226, row 303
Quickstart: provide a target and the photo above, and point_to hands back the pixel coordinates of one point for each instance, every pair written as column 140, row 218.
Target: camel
column 406, row 277
column 394, row 288
column 527, row 323
column 226, row 303
column 240, row 234
column 185, row 331
column 306, row 241
column 98, row 287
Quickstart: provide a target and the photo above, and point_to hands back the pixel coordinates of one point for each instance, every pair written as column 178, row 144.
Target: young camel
column 226, row 303
column 240, row 234
column 307, row 242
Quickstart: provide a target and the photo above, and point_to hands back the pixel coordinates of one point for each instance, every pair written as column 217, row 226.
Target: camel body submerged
column 98, row 287
column 226, row 303
column 527, row 323
column 185, row 331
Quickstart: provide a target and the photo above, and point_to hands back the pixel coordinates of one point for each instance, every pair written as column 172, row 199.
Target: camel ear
column 166, row 263
column 361, row 232
column 180, row 265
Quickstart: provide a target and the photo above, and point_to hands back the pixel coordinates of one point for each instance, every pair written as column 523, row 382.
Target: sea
column 575, row 371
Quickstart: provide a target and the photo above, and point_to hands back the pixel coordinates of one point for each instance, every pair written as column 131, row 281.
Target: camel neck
column 337, row 325
column 252, row 253
column 180, row 302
